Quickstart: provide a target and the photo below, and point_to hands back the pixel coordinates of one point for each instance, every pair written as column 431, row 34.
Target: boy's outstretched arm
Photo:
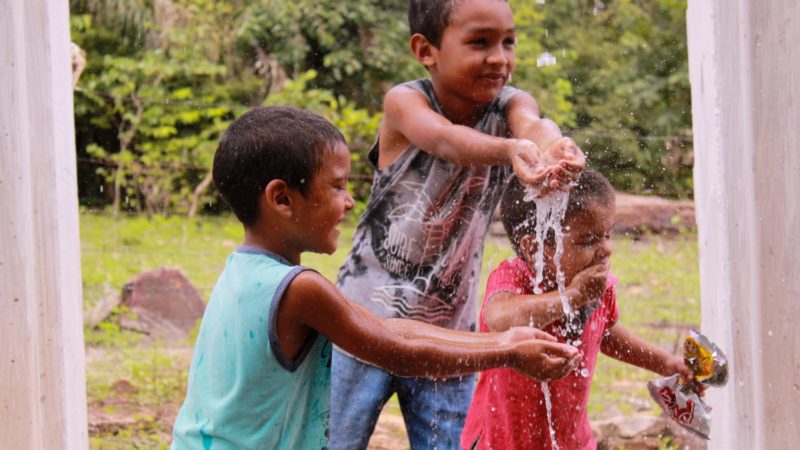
column 560, row 153
column 409, row 119
column 621, row 344
column 410, row 348
column 506, row 309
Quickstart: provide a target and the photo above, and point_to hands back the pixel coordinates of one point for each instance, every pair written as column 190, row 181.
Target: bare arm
column 525, row 121
column 409, row 348
column 621, row 344
column 561, row 154
column 506, row 309
column 409, row 119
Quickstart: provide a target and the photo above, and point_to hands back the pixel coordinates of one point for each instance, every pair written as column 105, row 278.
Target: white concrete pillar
column 744, row 64
column 42, row 380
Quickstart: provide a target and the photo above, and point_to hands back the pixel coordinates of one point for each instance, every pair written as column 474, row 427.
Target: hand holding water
column 565, row 161
column 554, row 168
column 527, row 160
column 539, row 356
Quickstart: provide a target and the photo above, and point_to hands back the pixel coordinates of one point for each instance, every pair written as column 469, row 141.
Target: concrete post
column 42, row 381
column 743, row 64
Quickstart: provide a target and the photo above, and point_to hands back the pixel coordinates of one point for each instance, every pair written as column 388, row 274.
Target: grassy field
column 134, row 390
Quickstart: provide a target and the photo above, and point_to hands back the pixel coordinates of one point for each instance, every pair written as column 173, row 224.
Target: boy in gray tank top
column 445, row 149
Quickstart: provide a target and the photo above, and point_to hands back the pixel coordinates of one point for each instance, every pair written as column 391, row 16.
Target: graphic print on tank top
column 418, row 247
column 429, row 246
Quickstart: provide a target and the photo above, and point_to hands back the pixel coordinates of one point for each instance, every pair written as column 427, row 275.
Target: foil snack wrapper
column 682, row 404
column 709, row 365
column 681, row 399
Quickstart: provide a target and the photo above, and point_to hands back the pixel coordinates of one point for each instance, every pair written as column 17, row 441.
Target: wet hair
column 519, row 216
column 268, row 143
column 430, row 17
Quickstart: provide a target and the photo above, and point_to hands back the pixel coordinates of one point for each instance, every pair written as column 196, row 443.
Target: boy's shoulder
column 399, row 92
column 511, row 274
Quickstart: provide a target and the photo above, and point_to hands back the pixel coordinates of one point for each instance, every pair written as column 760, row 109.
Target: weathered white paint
column 744, row 66
column 42, row 381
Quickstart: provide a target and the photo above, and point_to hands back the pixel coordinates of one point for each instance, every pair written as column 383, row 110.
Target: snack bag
column 681, row 404
column 680, row 398
column 709, row 365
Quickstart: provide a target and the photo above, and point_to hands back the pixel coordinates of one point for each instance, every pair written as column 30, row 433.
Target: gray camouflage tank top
column 418, row 247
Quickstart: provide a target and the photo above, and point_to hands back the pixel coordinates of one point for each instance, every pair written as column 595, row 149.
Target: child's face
column 587, row 242
column 476, row 55
column 326, row 203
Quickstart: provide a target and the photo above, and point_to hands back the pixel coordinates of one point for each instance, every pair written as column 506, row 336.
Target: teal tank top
column 243, row 392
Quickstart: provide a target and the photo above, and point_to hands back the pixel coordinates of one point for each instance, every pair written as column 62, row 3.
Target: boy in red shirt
column 508, row 410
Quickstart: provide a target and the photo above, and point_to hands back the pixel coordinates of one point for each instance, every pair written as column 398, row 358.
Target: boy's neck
column 460, row 111
column 549, row 282
column 272, row 242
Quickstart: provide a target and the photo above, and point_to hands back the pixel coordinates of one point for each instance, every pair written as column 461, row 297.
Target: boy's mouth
column 495, row 76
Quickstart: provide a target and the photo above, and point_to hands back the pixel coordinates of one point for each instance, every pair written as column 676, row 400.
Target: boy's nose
column 497, row 56
column 604, row 250
column 349, row 202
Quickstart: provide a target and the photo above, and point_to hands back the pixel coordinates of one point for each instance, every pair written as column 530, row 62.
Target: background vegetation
column 165, row 77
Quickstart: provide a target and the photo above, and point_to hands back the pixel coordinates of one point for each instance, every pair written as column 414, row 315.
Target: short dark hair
column 268, row 143
column 519, row 216
column 430, row 17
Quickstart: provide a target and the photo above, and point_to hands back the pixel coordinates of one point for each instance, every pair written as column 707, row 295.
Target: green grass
column 658, row 297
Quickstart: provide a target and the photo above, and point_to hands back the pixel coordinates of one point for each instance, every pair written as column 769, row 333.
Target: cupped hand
column 545, row 360
column 565, row 161
column 519, row 334
column 528, row 163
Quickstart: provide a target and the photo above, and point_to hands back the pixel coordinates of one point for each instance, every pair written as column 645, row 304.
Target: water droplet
column 545, row 59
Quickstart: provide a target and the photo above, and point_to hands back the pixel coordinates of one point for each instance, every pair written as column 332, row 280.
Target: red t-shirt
column 508, row 409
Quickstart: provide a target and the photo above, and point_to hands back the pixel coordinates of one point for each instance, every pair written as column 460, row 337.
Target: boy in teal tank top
column 260, row 376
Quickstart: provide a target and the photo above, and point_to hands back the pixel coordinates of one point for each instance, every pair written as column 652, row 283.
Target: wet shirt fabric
column 243, row 392
column 417, row 249
column 508, row 409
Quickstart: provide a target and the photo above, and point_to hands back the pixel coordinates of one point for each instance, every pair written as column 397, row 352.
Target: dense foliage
column 165, row 77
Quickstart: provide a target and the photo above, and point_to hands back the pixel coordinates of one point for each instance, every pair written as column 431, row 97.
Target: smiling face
column 587, row 242
column 325, row 204
column 476, row 55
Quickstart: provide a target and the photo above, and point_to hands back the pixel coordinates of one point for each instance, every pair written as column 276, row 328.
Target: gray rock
column 163, row 302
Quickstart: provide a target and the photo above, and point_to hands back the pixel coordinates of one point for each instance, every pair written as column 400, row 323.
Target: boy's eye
column 510, row 42
column 479, row 42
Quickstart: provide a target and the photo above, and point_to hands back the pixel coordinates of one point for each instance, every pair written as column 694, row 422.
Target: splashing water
column 550, row 211
column 548, row 405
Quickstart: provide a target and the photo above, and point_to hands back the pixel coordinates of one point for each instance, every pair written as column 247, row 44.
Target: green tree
column 620, row 85
column 356, row 48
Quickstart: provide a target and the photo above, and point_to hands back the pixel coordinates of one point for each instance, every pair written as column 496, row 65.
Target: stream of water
column 550, row 210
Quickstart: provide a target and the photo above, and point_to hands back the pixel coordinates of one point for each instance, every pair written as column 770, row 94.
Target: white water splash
column 548, row 405
column 550, row 211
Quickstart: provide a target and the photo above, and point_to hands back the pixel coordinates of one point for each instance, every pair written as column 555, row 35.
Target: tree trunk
column 198, row 191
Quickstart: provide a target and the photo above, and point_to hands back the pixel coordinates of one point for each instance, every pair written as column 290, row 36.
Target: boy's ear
column 527, row 248
column 277, row 197
column 423, row 50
